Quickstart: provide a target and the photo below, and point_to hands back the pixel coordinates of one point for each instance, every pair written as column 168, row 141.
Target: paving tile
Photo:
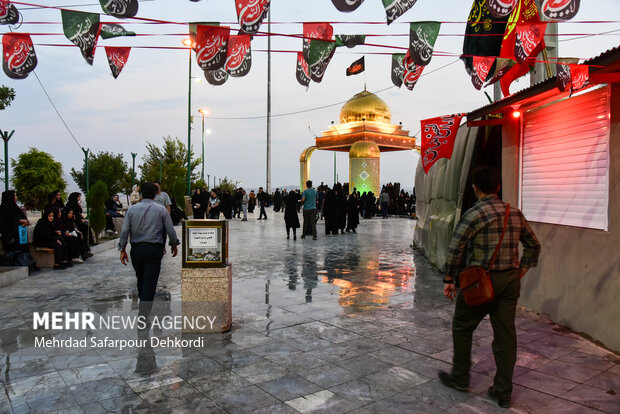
column 129, row 403
column 261, row 371
column 323, row 402
column 102, row 389
column 561, row 406
column 219, row 383
column 608, row 381
column 394, row 355
column 438, row 395
column 544, row 382
column 398, row 378
column 364, row 366
column 244, row 400
column 593, row 397
column 366, row 390
column 576, row 373
column 45, row 392
column 170, row 395
column 328, row 375
column 289, row 387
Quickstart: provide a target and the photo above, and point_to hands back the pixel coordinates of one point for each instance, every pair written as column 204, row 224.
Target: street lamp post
column 86, row 151
column 6, row 136
column 188, row 43
column 133, row 168
column 203, row 112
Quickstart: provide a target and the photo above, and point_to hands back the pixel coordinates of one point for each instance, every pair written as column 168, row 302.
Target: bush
column 35, row 175
column 96, row 199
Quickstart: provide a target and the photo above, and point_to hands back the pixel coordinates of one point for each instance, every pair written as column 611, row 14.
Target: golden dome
column 365, row 105
column 364, row 149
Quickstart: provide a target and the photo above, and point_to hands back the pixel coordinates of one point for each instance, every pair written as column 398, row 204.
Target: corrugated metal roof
column 606, row 58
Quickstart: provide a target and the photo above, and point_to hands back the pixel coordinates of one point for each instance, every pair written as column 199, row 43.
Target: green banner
column 350, row 41
column 110, row 30
column 82, row 29
column 422, row 37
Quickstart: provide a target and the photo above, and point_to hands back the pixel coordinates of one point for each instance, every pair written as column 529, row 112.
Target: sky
column 149, row 99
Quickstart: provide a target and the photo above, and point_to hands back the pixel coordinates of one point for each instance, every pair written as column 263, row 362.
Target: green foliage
column 227, row 184
column 96, row 199
column 107, row 167
column 200, row 184
column 7, row 95
column 179, row 188
column 35, row 175
column 174, row 164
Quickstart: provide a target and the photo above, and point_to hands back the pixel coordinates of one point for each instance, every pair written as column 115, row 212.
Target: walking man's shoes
column 448, row 380
column 501, row 403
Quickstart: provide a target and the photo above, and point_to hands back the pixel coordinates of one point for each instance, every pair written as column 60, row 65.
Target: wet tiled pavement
column 350, row 323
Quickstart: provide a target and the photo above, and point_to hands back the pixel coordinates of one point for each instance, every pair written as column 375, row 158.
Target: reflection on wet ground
column 348, row 323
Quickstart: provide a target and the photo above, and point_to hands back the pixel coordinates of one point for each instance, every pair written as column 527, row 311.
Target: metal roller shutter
column 565, row 161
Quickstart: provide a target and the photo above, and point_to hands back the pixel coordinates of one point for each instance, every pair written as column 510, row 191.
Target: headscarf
column 9, row 208
column 72, row 204
column 69, row 223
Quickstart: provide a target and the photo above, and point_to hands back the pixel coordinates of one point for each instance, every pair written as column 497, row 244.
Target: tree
column 96, row 199
column 107, row 167
column 227, row 184
column 174, row 164
column 35, row 175
column 7, row 95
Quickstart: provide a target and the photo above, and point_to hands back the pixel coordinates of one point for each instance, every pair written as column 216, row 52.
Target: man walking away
column 473, row 243
column 144, row 226
column 263, row 199
column 308, row 198
column 384, row 199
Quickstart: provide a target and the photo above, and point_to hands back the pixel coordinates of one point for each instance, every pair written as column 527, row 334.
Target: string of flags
column 502, row 40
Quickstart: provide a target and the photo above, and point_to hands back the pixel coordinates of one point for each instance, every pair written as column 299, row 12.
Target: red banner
column 19, row 58
column 117, row 58
column 579, row 77
column 529, row 37
column 251, row 14
column 481, row 67
column 238, row 55
column 211, row 45
column 438, row 135
column 524, row 12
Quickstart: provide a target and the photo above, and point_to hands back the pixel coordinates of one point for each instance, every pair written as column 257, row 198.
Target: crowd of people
column 64, row 229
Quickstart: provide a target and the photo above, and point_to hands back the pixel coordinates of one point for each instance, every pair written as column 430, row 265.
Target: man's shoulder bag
column 475, row 281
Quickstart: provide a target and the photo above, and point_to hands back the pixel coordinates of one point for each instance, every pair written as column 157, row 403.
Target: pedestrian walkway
column 349, row 323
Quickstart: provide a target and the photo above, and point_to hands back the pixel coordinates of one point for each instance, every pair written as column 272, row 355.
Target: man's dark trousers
column 309, row 222
column 146, row 261
column 262, row 210
column 502, row 311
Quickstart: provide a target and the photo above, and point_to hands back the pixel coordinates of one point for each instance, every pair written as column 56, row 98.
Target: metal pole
column 189, row 123
column 86, row 151
column 161, row 160
column 133, row 168
column 335, row 177
column 6, row 137
column 268, row 184
column 203, row 146
column 208, row 181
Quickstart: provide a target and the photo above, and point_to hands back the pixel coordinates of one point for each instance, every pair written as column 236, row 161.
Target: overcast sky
column 148, row 101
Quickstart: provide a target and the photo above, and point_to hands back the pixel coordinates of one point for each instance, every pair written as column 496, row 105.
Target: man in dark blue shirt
column 145, row 225
column 308, row 198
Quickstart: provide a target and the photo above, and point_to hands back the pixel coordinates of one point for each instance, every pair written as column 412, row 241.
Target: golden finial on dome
column 365, row 106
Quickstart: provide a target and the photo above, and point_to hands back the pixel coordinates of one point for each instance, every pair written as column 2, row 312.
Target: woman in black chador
column 290, row 214
column 46, row 236
column 353, row 217
column 342, row 209
column 330, row 212
column 198, row 204
column 73, row 203
column 72, row 243
column 11, row 217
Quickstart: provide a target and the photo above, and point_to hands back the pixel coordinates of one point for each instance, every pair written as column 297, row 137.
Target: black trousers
column 146, row 261
column 262, row 211
column 502, row 312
